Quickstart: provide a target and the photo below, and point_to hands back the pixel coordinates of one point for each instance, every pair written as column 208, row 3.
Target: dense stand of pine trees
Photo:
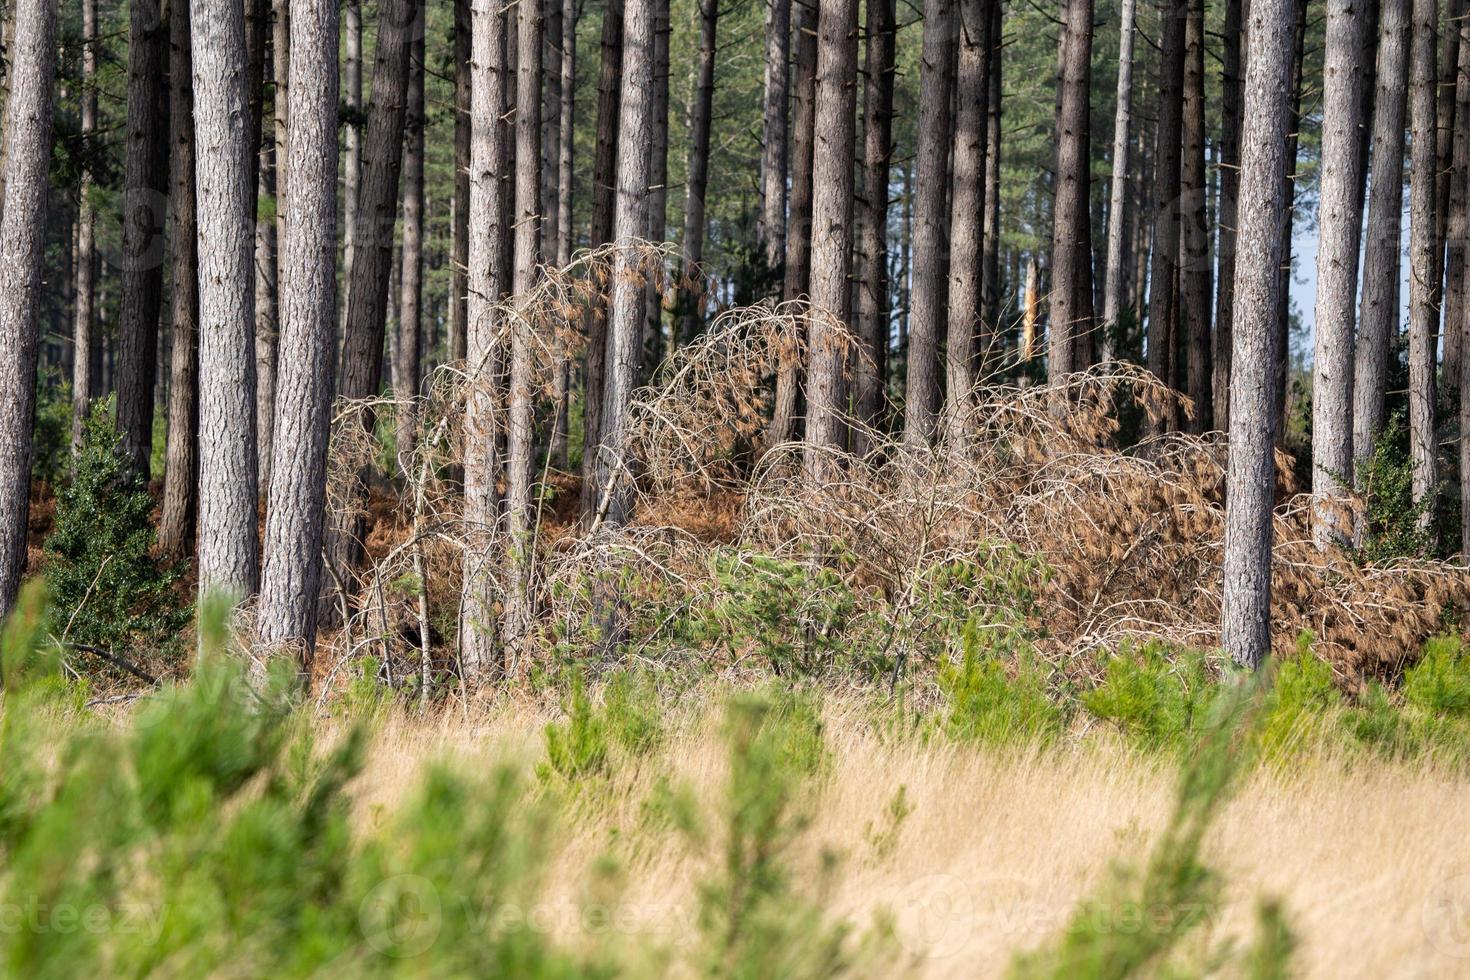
column 1179, row 259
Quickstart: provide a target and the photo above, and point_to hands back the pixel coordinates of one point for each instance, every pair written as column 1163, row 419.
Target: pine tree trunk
column 1070, row 226
column 84, row 315
column 1122, row 121
column 296, row 513
column 224, row 188
column 527, row 221
column 271, row 183
column 561, row 393
column 1245, row 617
column 1424, row 270
column 22, row 237
column 871, row 371
column 1378, row 316
column 1458, row 228
column 701, row 108
column 1195, row 259
column 145, row 209
column 459, row 244
column 1288, row 236
column 1231, row 88
column 931, row 211
column 991, row 284
column 484, row 219
column 832, row 209
column 551, row 16
column 352, row 142
column 409, row 349
column 1167, row 163
column 604, row 177
column 625, row 328
column 1340, row 223
column 772, row 231
column 797, row 274
column 181, row 470
column 658, row 176
column 965, row 316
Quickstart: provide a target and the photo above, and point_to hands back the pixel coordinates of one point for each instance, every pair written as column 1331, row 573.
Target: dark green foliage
column 997, row 693
column 51, row 435
column 1158, row 695
column 108, row 587
column 1394, row 523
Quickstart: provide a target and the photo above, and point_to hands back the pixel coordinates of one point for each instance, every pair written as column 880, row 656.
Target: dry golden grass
column 1370, row 859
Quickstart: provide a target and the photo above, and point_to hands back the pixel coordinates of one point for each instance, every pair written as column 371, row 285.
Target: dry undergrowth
column 1124, row 543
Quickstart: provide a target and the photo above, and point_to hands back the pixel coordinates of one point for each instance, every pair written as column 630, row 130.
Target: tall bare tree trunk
column 1379, row 311
column 1424, row 266
column 1164, row 270
column 270, row 181
column 1122, row 121
column 296, row 513
column 145, row 212
column 181, row 470
column 481, row 468
column 772, row 231
column 931, row 237
column 701, row 108
column 991, row 281
column 965, row 316
column 1340, row 221
column 409, row 350
column 527, row 221
column 562, row 377
column 84, row 320
column 22, row 237
column 797, row 273
column 551, row 44
column 604, row 178
column 871, row 372
column 625, row 328
column 832, row 208
column 1070, row 319
column 658, row 176
column 459, row 244
column 1231, row 89
column 1458, row 228
column 1245, row 616
column 352, row 142
column 1195, row 259
column 224, row 188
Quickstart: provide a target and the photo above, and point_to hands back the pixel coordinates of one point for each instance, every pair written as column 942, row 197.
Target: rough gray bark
column 84, row 315
column 296, row 513
column 1164, row 268
column 1195, row 260
column 1458, row 227
column 1424, row 266
column 485, row 218
column 409, row 349
column 1230, row 121
column 965, row 316
column 268, row 238
column 1245, row 616
column 181, row 470
column 551, row 17
column 871, row 370
column 561, row 393
column 797, row 273
column 224, row 189
column 604, row 178
column 1378, row 312
column 527, row 221
column 624, row 340
column 351, row 141
column 771, row 232
column 145, row 212
column 1340, row 222
column 931, row 237
column 832, row 208
column 658, row 175
column 701, row 109
column 22, row 235
column 459, row 234
column 1070, row 320
column 991, row 276
column 1444, row 128
column 1122, row 121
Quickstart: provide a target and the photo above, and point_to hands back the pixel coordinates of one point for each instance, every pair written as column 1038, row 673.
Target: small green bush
column 997, row 694
column 108, row 587
column 1301, row 706
column 1393, row 525
column 1158, row 696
